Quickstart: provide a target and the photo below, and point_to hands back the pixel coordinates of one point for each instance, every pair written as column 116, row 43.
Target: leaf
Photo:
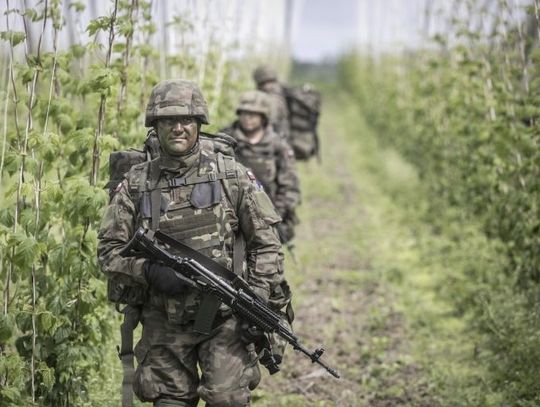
column 119, row 47
column 11, row 394
column 109, row 143
column 25, row 249
column 47, row 321
column 31, row 13
column 79, row 6
column 47, row 375
column 65, row 122
column 6, row 328
column 13, row 37
column 77, row 51
column 100, row 23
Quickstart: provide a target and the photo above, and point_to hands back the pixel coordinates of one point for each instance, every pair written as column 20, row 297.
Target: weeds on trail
column 465, row 114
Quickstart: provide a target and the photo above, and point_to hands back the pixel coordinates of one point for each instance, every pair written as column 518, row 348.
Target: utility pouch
column 120, row 293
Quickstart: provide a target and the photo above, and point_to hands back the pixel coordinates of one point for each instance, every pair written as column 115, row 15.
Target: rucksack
column 304, row 105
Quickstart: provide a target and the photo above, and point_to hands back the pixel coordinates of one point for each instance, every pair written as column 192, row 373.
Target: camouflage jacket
column 208, row 216
column 273, row 163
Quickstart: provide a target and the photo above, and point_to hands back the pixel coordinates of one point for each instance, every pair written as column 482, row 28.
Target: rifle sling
column 132, row 315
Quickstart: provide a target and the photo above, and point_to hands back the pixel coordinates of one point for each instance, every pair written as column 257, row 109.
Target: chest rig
column 261, row 159
column 196, row 209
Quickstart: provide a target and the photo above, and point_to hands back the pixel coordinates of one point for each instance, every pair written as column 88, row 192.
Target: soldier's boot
column 175, row 403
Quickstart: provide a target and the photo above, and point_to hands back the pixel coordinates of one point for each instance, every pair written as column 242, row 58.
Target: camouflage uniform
column 207, row 201
column 271, row 160
column 266, row 80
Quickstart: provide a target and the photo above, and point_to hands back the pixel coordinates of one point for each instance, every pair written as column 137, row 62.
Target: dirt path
column 340, row 300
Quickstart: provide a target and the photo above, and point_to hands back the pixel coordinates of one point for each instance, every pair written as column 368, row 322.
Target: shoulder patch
column 250, row 175
column 254, row 180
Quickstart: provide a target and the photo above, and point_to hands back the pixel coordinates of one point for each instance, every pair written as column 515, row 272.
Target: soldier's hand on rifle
column 283, row 232
column 250, row 333
column 163, row 279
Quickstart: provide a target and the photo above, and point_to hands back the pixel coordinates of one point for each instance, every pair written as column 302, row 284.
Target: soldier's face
column 250, row 121
column 177, row 135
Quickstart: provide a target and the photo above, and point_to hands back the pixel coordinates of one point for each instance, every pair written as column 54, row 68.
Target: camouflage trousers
column 169, row 356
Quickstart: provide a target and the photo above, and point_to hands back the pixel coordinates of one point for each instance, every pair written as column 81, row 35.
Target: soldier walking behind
column 270, row 158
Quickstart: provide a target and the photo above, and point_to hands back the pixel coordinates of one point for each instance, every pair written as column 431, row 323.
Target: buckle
column 177, row 182
column 212, row 176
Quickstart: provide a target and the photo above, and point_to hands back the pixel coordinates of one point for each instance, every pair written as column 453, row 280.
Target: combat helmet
column 176, row 97
column 254, row 101
column 264, row 73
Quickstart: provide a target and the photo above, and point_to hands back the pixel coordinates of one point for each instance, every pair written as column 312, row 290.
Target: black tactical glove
column 285, row 233
column 163, row 279
column 250, row 333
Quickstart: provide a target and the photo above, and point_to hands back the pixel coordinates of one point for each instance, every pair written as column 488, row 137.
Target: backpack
column 304, row 105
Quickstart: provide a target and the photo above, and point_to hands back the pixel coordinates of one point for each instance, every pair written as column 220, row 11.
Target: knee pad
column 240, row 398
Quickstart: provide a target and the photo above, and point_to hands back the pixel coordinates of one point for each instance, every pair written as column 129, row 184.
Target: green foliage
column 83, row 107
column 14, row 37
column 467, row 117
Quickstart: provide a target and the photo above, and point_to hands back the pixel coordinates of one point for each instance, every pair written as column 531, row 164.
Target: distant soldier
column 294, row 112
column 270, row 158
column 207, row 201
column 266, row 79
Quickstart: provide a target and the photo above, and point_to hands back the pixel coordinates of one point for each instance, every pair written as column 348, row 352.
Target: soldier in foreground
column 266, row 80
column 270, row 158
column 207, row 201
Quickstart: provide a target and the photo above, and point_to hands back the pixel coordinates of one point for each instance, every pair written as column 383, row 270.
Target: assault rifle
column 218, row 284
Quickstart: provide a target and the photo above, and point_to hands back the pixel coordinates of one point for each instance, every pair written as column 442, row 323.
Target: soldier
column 266, row 79
column 207, row 201
column 270, row 158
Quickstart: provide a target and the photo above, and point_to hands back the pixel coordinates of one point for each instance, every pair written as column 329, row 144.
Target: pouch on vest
column 265, row 208
column 206, row 194
column 120, row 293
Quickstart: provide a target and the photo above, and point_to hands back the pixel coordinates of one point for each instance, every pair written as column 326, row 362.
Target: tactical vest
column 261, row 159
column 195, row 209
column 134, row 161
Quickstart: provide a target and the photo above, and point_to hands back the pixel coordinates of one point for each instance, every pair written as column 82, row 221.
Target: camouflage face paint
column 177, row 135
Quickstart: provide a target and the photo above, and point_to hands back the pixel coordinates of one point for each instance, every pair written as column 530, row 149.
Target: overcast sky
column 320, row 28
column 323, row 28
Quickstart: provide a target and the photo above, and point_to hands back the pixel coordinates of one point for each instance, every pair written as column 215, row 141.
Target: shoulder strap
column 228, row 164
column 155, row 193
